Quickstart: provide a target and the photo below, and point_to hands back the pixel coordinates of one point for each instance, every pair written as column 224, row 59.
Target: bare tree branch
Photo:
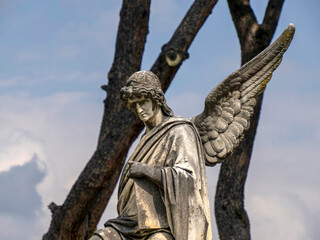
column 271, row 16
column 244, row 19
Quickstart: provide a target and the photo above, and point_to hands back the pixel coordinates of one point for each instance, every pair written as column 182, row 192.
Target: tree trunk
column 81, row 211
column 78, row 216
column 232, row 219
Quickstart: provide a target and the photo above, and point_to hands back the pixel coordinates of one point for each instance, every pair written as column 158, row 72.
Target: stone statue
column 163, row 190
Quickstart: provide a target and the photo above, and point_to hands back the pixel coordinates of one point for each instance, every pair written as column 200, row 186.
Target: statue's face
column 144, row 107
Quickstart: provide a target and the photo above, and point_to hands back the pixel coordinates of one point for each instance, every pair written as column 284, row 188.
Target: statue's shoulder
column 175, row 121
column 179, row 124
column 178, row 119
column 174, row 125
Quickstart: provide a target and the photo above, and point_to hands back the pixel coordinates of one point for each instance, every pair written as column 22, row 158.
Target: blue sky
column 54, row 57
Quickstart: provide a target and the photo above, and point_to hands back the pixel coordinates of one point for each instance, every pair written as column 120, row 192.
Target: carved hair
column 145, row 83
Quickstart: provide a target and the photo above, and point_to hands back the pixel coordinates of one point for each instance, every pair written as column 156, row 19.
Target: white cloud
column 18, row 148
column 18, row 144
column 61, row 129
column 279, row 217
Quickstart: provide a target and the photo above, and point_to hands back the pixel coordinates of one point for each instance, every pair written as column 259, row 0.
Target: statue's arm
column 183, row 143
column 138, row 170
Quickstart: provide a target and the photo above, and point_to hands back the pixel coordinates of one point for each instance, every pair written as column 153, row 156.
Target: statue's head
column 145, row 84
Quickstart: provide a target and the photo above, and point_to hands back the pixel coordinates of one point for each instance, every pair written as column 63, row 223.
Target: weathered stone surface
column 163, row 187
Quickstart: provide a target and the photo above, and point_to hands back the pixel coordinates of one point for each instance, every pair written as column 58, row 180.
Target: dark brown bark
column 81, row 211
column 232, row 219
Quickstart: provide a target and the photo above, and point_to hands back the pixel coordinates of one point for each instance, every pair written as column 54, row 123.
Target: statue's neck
column 158, row 118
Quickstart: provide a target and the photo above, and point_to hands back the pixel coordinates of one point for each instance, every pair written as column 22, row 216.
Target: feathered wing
column 229, row 106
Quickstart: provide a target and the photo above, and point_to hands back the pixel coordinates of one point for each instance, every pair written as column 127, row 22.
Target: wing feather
column 229, row 106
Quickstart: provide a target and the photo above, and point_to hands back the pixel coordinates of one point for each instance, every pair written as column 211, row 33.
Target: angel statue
column 163, row 187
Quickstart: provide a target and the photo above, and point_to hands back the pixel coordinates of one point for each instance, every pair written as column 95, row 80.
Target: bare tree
column 232, row 219
column 86, row 201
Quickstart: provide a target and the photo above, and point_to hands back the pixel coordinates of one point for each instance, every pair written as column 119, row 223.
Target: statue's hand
column 137, row 169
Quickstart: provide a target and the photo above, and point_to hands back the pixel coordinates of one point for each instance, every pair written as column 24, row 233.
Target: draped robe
column 181, row 204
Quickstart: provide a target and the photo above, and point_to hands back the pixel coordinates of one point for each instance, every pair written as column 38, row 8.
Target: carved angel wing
column 229, row 106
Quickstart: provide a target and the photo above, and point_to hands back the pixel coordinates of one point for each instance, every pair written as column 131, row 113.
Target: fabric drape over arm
column 184, row 186
column 181, row 205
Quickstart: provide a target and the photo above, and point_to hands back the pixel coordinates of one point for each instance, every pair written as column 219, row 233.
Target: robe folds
column 181, row 205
